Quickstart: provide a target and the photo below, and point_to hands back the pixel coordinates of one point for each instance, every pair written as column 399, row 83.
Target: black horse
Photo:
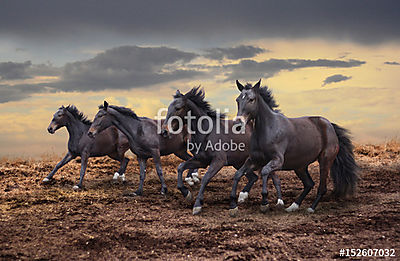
column 281, row 143
column 144, row 141
column 213, row 133
column 111, row 142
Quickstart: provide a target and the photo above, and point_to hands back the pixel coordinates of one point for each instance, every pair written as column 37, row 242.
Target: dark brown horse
column 111, row 142
column 211, row 137
column 144, row 141
column 281, row 143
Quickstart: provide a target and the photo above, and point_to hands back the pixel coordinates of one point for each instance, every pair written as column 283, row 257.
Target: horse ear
column 257, row 85
column 178, row 93
column 239, row 85
column 105, row 105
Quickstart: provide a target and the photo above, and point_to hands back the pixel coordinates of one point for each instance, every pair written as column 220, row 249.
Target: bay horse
column 281, row 143
column 111, row 142
column 144, row 141
column 193, row 104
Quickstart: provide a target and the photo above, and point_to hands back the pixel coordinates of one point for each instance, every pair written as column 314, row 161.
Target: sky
column 338, row 59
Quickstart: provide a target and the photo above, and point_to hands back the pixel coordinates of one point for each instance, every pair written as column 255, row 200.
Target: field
column 56, row 223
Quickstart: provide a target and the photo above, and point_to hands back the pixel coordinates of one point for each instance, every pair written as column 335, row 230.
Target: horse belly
column 302, row 155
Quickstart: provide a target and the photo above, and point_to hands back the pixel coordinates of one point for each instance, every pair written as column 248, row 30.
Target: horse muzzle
column 51, row 129
column 91, row 133
column 240, row 118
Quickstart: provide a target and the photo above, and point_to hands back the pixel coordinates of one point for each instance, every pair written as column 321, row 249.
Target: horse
column 281, row 143
column 144, row 141
column 111, row 142
column 192, row 105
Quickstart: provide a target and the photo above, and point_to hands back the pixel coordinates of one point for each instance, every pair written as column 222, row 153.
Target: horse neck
column 265, row 117
column 197, row 112
column 126, row 124
column 76, row 129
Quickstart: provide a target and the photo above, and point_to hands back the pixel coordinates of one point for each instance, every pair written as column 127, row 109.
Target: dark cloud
column 20, row 91
column 365, row 21
column 26, row 70
column 233, row 53
column 335, row 78
column 126, row 67
column 13, row 71
column 392, row 63
column 250, row 69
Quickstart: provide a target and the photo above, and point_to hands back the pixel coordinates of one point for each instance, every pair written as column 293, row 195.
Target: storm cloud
column 335, row 78
column 233, row 53
column 14, row 71
column 20, row 91
column 126, row 67
column 364, row 21
column 250, row 69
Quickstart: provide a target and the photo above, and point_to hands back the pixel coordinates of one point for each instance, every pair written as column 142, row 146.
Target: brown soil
column 54, row 222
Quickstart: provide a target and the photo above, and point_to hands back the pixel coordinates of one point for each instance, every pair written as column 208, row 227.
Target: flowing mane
column 267, row 96
column 197, row 95
column 77, row 114
column 123, row 110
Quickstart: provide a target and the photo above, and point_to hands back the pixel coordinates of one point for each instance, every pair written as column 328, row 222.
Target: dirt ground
column 56, row 223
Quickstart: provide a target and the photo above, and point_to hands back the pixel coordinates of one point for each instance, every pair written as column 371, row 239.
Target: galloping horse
column 281, row 143
column 111, row 142
column 144, row 141
column 192, row 104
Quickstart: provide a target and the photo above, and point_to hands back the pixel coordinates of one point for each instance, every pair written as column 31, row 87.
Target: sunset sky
column 338, row 59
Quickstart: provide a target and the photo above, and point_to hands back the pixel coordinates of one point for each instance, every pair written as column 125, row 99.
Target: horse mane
column 197, row 95
column 77, row 114
column 267, row 96
column 123, row 110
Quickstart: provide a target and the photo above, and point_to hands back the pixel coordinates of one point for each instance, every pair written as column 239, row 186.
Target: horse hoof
column 189, row 181
column 164, row 191
column 196, row 210
column 76, row 187
column 195, row 177
column 233, row 212
column 280, row 204
column 310, row 210
column 264, row 208
column 116, row 176
column 122, row 177
column 243, row 196
column 46, row 180
column 189, row 196
column 292, row 207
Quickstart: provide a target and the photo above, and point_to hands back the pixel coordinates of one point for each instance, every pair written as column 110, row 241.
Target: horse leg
column 308, row 184
column 192, row 163
column 67, row 158
column 277, row 184
column 246, row 167
column 121, row 172
column 142, row 170
column 157, row 162
column 84, row 160
column 192, row 176
column 213, row 169
column 251, row 179
column 324, row 167
column 275, row 164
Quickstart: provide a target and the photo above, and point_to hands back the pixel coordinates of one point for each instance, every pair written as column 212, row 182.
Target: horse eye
column 252, row 100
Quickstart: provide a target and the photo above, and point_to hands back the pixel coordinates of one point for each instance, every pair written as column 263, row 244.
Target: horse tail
column 344, row 169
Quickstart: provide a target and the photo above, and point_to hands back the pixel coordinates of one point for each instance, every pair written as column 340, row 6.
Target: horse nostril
column 50, row 130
